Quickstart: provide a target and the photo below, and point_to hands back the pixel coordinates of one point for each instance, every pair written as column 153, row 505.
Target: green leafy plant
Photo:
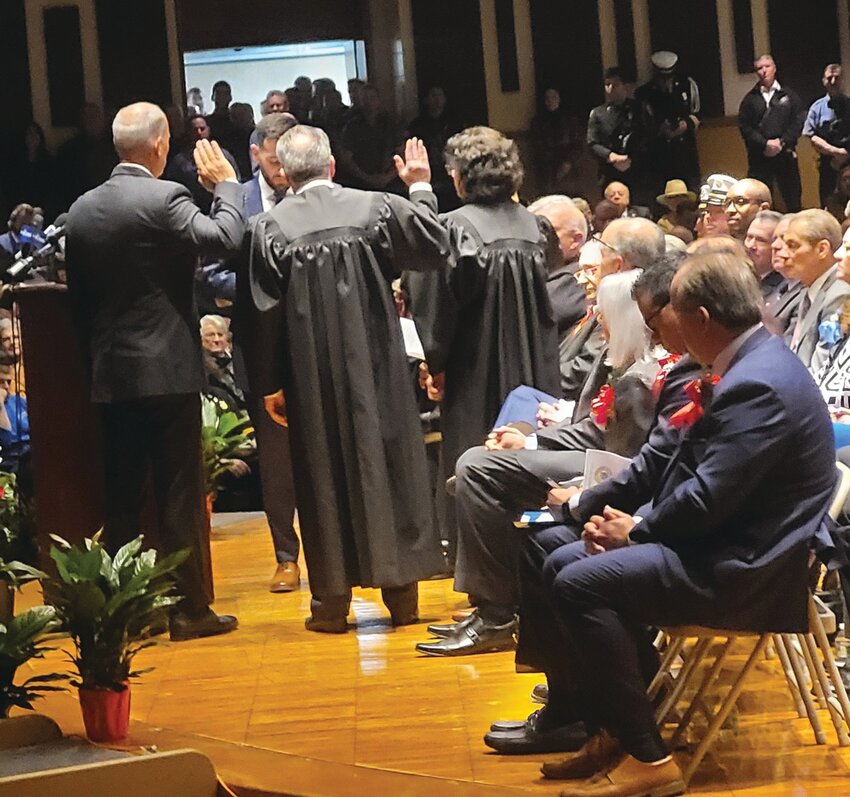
column 108, row 605
column 22, row 639
column 17, row 527
column 225, row 435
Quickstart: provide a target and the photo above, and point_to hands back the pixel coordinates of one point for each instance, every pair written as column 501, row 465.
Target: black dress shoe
column 474, row 637
column 529, row 740
column 183, row 627
column 447, row 629
column 500, row 726
column 540, row 694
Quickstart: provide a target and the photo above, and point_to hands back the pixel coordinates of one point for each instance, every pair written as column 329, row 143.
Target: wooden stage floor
column 366, row 699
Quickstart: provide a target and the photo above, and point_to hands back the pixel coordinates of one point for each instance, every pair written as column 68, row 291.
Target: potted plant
column 225, row 435
column 17, row 554
column 108, row 605
column 22, row 639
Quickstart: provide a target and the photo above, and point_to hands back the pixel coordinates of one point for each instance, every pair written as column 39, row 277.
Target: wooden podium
column 67, row 454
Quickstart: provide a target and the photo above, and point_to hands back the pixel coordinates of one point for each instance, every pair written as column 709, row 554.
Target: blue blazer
column 741, row 498
column 253, row 197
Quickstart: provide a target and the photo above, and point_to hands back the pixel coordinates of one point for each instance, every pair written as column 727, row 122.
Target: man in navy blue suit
column 725, row 540
column 262, row 192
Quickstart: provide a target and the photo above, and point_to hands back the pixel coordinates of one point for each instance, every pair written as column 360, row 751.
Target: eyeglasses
column 652, row 316
column 737, row 201
column 598, row 238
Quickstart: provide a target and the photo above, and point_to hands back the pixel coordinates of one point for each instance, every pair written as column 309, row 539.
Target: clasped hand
column 607, row 531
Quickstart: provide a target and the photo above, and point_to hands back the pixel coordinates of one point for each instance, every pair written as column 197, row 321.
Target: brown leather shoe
column 633, row 778
column 287, row 578
column 598, row 754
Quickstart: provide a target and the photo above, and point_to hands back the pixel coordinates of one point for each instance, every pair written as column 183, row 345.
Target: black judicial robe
column 487, row 322
column 323, row 326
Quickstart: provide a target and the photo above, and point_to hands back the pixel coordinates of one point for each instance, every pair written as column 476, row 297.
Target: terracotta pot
column 106, row 713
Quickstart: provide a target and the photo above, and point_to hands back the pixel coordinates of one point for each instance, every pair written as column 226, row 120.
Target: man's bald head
column 140, row 135
column 567, row 220
column 304, row 153
column 638, row 242
column 743, row 201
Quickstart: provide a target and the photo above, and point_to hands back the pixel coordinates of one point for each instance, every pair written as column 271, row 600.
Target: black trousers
column 154, row 444
column 781, row 171
column 493, row 488
column 827, row 180
column 276, row 480
column 597, row 659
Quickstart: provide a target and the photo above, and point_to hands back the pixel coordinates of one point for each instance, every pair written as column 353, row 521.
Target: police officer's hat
column 664, row 61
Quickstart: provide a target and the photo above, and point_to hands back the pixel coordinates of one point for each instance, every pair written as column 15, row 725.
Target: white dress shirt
column 767, row 94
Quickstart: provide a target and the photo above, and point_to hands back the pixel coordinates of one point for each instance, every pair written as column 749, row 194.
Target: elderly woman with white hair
column 616, row 409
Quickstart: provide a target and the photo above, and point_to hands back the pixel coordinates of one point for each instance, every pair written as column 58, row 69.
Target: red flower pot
column 106, row 713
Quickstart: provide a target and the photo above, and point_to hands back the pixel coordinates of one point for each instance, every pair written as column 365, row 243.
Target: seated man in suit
column 725, row 542
column 809, row 247
column 625, row 244
column 569, row 302
column 496, row 483
column 618, row 194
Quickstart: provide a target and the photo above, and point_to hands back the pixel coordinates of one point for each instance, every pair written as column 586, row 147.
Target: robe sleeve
column 264, row 320
column 437, row 297
column 411, row 235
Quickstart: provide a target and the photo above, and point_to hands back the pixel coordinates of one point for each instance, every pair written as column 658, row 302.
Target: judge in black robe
column 487, row 323
column 328, row 352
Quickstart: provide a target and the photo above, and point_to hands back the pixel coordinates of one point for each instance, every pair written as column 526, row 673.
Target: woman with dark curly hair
column 486, row 324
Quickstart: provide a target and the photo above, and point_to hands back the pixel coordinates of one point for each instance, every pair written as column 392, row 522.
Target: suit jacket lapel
column 811, row 318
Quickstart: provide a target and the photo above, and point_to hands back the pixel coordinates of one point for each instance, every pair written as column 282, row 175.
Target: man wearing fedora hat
column 671, row 102
column 680, row 204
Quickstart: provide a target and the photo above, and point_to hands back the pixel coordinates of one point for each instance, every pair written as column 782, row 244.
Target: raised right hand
column 213, row 167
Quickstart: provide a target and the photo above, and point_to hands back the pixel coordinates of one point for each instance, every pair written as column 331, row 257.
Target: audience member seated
column 744, row 200
column 735, row 503
column 618, row 194
column 780, row 308
column 810, row 243
column 712, row 219
column 603, row 214
column 497, row 482
column 218, row 362
column 834, row 376
column 183, row 170
column 14, row 423
column 569, row 302
column 624, row 244
column 680, row 207
column 759, row 242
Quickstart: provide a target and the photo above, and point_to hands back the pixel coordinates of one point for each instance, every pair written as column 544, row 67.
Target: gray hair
column 219, row 322
column 773, row 216
column 304, row 153
column 724, row 284
column 274, row 125
column 136, row 127
column 818, row 225
column 628, row 336
column 577, row 220
column 640, row 242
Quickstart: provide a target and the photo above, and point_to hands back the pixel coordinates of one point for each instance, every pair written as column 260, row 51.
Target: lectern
column 67, row 454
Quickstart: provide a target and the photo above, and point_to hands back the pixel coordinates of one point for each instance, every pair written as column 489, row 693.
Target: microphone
column 52, row 236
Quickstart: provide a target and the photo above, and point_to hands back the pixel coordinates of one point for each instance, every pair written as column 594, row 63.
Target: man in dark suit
column 569, row 302
column 809, row 245
column 497, row 482
column 733, row 510
column 131, row 248
column 262, row 193
column 771, row 119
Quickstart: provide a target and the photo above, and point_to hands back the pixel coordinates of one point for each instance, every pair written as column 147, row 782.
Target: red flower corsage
column 602, row 407
column 696, row 391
